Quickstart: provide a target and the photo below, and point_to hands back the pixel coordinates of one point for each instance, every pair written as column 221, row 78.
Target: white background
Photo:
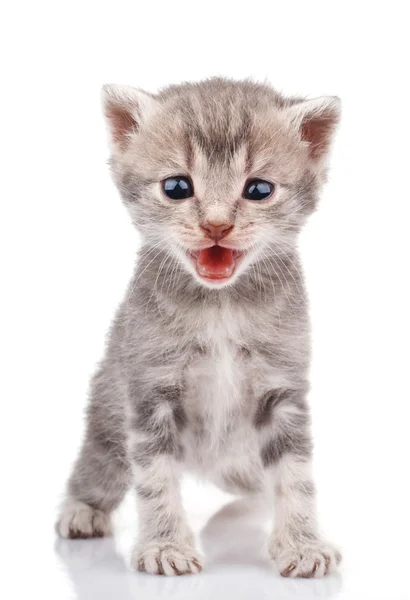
column 67, row 251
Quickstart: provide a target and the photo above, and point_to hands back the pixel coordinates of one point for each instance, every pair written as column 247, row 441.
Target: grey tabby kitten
column 207, row 359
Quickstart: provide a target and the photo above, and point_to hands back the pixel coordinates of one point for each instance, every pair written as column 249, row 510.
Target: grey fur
column 290, row 442
column 240, row 482
column 272, row 399
column 161, row 401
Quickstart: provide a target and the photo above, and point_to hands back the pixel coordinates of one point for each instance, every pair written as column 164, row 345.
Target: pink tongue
column 215, row 262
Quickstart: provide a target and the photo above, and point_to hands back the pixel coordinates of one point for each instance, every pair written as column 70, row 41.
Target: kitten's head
column 221, row 174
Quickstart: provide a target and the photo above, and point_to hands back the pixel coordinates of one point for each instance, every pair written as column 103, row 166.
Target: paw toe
column 308, row 561
column 80, row 521
column 167, row 560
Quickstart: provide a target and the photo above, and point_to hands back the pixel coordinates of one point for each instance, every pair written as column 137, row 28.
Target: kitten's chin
column 216, row 266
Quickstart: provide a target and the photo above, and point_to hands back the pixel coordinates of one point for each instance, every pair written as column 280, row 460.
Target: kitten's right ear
column 316, row 121
column 126, row 110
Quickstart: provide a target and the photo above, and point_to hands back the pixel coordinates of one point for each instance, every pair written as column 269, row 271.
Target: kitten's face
column 220, row 174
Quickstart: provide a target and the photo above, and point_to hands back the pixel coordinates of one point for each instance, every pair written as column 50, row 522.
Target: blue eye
column 177, row 188
column 258, row 189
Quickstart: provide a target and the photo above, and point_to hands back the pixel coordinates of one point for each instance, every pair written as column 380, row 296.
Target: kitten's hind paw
column 78, row 520
column 167, row 559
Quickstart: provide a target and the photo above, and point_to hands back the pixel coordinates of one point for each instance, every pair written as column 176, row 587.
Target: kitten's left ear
column 317, row 121
column 126, row 110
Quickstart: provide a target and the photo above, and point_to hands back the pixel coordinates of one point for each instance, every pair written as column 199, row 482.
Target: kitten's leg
column 295, row 544
column 101, row 474
column 165, row 544
column 96, row 487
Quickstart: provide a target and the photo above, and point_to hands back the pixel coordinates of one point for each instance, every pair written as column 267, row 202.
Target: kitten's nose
column 217, row 230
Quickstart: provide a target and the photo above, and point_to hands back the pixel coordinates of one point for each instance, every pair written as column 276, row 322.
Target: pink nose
column 217, row 230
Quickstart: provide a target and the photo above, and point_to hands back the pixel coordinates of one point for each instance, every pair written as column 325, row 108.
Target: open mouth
column 216, row 262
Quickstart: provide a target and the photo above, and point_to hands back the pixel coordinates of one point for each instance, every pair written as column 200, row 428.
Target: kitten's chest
column 223, row 382
column 226, row 371
column 219, row 398
column 219, row 403
column 216, row 379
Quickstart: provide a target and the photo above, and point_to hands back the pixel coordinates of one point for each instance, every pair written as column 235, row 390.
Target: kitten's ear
column 317, row 121
column 126, row 110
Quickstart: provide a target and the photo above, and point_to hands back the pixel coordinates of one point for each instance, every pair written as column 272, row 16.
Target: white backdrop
column 67, row 251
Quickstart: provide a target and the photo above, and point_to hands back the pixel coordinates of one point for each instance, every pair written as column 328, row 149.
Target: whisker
column 268, row 258
column 145, row 268
column 154, row 289
column 287, row 269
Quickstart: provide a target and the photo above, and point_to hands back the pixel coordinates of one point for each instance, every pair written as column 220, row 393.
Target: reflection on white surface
column 236, row 567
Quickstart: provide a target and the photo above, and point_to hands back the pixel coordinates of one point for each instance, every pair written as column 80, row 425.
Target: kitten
column 207, row 359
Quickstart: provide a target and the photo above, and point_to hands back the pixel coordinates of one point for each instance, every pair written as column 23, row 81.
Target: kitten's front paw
column 315, row 559
column 167, row 559
column 78, row 520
